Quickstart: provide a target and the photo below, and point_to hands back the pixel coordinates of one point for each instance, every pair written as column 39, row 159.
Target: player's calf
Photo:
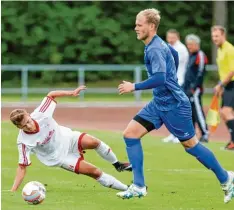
column 104, row 179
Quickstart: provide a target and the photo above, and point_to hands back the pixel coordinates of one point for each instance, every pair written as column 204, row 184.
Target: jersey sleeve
column 46, row 107
column 157, row 60
column 24, row 154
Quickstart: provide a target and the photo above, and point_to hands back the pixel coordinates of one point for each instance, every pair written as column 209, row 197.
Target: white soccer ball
column 34, row 192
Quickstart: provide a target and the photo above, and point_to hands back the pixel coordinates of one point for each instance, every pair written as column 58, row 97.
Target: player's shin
column 135, row 155
column 207, row 158
column 106, row 153
column 107, row 180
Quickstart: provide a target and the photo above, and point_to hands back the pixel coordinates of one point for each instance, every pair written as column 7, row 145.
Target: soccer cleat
column 228, row 187
column 122, row 166
column 204, row 139
column 133, row 191
column 230, row 146
column 168, row 138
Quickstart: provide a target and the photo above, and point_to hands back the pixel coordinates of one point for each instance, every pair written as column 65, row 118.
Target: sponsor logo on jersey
column 47, row 139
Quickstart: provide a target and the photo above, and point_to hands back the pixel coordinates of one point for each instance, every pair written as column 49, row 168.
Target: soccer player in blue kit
column 169, row 106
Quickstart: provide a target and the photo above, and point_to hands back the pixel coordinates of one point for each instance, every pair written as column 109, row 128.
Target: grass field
column 176, row 180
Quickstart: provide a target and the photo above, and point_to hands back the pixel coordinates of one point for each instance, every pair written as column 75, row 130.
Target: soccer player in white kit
column 173, row 38
column 59, row 146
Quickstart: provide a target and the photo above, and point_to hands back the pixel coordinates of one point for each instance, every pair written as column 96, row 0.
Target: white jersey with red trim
column 50, row 142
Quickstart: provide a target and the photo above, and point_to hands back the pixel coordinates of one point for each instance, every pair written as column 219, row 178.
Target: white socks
column 106, row 153
column 107, row 180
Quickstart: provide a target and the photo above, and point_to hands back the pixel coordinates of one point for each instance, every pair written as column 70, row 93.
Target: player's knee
column 90, row 142
column 129, row 133
column 96, row 173
column 95, row 142
column 226, row 113
column 190, row 143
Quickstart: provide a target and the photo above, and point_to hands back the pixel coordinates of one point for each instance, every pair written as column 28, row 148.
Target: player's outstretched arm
column 61, row 93
column 154, row 81
column 20, row 174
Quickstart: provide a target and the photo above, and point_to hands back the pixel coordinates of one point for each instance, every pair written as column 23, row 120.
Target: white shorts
column 75, row 155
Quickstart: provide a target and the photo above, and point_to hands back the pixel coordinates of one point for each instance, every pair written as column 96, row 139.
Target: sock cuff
column 132, row 141
column 100, row 177
column 193, row 149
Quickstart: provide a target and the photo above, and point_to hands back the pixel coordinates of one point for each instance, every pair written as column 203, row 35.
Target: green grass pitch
column 176, row 180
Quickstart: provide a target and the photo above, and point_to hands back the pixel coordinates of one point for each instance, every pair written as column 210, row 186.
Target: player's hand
column 126, row 87
column 218, row 90
column 77, row 90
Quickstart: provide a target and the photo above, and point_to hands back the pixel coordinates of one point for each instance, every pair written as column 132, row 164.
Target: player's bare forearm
column 62, row 93
column 20, row 174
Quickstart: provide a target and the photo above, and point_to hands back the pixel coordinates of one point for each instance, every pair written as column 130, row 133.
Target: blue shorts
column 178, row 120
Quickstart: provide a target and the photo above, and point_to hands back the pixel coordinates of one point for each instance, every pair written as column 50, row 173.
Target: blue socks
column 207, row 158
column 203, row 154
column 135, row 156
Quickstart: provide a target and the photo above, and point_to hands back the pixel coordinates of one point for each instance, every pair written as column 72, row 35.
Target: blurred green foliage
column 59, row 32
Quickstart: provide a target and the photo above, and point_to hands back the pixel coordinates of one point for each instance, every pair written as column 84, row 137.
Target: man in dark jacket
column 193, row 85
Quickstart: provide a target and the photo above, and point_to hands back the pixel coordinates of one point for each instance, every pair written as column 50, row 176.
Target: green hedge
column 93, row 32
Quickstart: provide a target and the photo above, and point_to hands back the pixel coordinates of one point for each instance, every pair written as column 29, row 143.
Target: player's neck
column 149, row 39
column 222, row 43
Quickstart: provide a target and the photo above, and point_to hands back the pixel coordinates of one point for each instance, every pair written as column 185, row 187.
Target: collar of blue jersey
column 155, row 36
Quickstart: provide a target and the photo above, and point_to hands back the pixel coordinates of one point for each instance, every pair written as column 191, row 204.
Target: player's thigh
column 89, row 142
column 134, row 130
column 226, row 113
column 83, row 141
column 179, row 122
column 76, row 163
column 146, row 120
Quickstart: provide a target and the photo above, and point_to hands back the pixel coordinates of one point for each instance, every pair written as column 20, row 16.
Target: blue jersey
column 158, row 58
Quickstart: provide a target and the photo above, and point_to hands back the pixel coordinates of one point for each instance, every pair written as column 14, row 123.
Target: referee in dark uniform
column 193, row 83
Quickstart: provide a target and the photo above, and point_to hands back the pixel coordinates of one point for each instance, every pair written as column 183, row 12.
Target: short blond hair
column 219, row 28
column 152, row 16
column 17, row 115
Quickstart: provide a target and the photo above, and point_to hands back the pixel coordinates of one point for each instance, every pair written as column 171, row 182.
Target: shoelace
column 226, row 191
column 131, row 190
